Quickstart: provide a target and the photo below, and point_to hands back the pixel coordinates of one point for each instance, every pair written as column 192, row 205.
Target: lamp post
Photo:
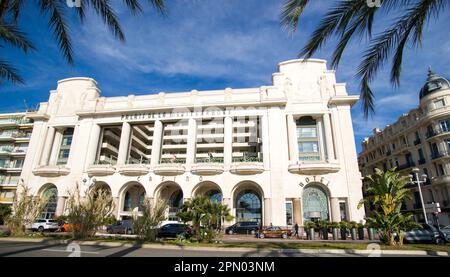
column 416, row 172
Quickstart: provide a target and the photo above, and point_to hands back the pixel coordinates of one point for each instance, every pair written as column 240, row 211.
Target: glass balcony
column 247, row 159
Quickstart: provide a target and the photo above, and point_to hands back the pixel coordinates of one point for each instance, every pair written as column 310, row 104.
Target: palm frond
column 15, row 8
column 9, row 73
column 12, row 35
column 133, row 5
column 291, row 12
column 59, row 25
column 159, row 5
column 104, row 9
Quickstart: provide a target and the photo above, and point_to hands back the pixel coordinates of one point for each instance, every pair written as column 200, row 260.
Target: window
column 441, row 169
column 343, row 211
column 421, row 157
column 64, row 150
column 439, row 103
column 289, row 213
column 430, row 192
column 445, row 125
column 307, row 139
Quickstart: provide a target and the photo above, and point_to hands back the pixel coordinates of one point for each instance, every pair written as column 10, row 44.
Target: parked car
column 427, row 234
column 243, row 227
column 446, row 232
column 42, row 225
column 274, row 232
column 121, row 227
column 172, row 230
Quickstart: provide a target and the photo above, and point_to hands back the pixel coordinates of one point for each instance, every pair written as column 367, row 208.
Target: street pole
column 416, row 171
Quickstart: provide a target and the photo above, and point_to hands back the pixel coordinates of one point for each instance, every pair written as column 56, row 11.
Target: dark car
column 172, row 230
column 446, row 232
column 121, row 227
column 243, row 227
column 427, row 234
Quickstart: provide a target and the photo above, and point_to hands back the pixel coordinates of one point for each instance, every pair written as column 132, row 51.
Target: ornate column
column 292, row 136
column 297, row 211
column 228, row 141
column 94, row 140
column 124, row 143
column 48, row 146
column 60, row 206
column 265, row 141
column 156, row 144
column 55, row 147
column 328, row 138
column 335, row 210
column 191, row 142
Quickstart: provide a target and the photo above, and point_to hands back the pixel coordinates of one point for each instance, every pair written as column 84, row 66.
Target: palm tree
column 57, row 10
column 387, row 191
column 348, row 19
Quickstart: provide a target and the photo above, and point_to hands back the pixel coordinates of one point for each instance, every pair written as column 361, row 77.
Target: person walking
column 296, row 230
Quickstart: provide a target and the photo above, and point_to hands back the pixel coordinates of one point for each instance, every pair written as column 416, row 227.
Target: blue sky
column 208, row 44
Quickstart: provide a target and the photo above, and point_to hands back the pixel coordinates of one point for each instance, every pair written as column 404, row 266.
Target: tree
column 25, row 210
column 387, row 191
column 5, row 211
column 57, row 10
column 86, row 214
column 206, row 216
column 146, row 224
column 348, row 19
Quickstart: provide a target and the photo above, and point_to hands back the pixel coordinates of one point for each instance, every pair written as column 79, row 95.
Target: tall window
column 64, row 150
column 445, row 125
column 289, row 213
column 308, row 139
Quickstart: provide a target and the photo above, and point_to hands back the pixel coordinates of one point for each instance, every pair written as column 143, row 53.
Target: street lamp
column 415, row 170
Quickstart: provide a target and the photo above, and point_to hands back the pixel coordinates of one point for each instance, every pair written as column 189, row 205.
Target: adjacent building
column 15, row 133
column 280, row 154
column 418, row 139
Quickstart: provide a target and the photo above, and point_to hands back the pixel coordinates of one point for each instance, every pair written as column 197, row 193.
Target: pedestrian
column 296, row 229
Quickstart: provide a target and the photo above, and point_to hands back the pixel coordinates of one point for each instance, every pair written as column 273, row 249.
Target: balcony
column 208, row 166
column 102, row 168
column 422, row 161
column 313, row 168
column 406, row 165
column 170, row 167
column 438, row 132
column 440, row 155
column 417, row 141
column 247, row 165
column 134, row 167
column 438, row 180
column 51, row 171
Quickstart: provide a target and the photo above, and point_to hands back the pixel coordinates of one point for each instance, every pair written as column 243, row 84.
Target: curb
column 239, row 249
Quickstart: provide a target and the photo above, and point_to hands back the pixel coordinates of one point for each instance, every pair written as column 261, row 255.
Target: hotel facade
column 418, row 139
column 280, row 154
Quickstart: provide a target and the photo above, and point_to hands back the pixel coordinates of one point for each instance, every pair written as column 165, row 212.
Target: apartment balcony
column 247, row 166
column 438, row 180
column 135, row 167
column 313, row 167
column 6, row 150
column 208, row 166
column 102, row 168
column 437, row 133
column 170, row 167
column 440, row 155
column 51, row 171
column 406, row 166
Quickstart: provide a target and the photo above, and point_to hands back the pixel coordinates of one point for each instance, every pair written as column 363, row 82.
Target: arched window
column 248, row 206
column 215, row 195
column 315, row 204
column 141, row 200
column 175, row 202
column 51, row 194
column 128, row 202
column 308, row 139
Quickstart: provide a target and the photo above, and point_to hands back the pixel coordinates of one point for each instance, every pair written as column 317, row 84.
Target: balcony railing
column 61, row 161
column 138, row 161
column 436, row 132
column 6, row 149
column 438, row 155
column 172, row 161
column 105, row 162
column 208, row 160
column 406, row 165
column 309, row 158
column 247, row 159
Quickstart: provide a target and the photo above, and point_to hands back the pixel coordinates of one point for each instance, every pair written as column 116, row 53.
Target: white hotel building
column 280, row 154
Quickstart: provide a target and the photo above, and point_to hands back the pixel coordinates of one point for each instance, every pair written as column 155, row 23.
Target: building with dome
column 418, row 139
column 280, row 154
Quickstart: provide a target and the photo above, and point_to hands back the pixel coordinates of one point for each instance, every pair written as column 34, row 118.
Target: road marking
column 60, row 250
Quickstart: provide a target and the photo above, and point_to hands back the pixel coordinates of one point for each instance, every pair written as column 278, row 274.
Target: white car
column 42, row 225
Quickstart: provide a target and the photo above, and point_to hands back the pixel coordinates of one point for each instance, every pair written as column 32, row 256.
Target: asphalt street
column 38, row 249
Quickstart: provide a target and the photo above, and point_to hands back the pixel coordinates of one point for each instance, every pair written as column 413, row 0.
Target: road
column 42, row 249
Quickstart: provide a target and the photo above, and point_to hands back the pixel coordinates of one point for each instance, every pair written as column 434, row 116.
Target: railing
column 309, row 158
column 247, row 159
column 6, row 149
column 138, row 161
column 439, row 155
column 105, row 162
column 439, row 131
column 406, row 165
column 209, row 160
column 172, row 161
column 61, row 161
